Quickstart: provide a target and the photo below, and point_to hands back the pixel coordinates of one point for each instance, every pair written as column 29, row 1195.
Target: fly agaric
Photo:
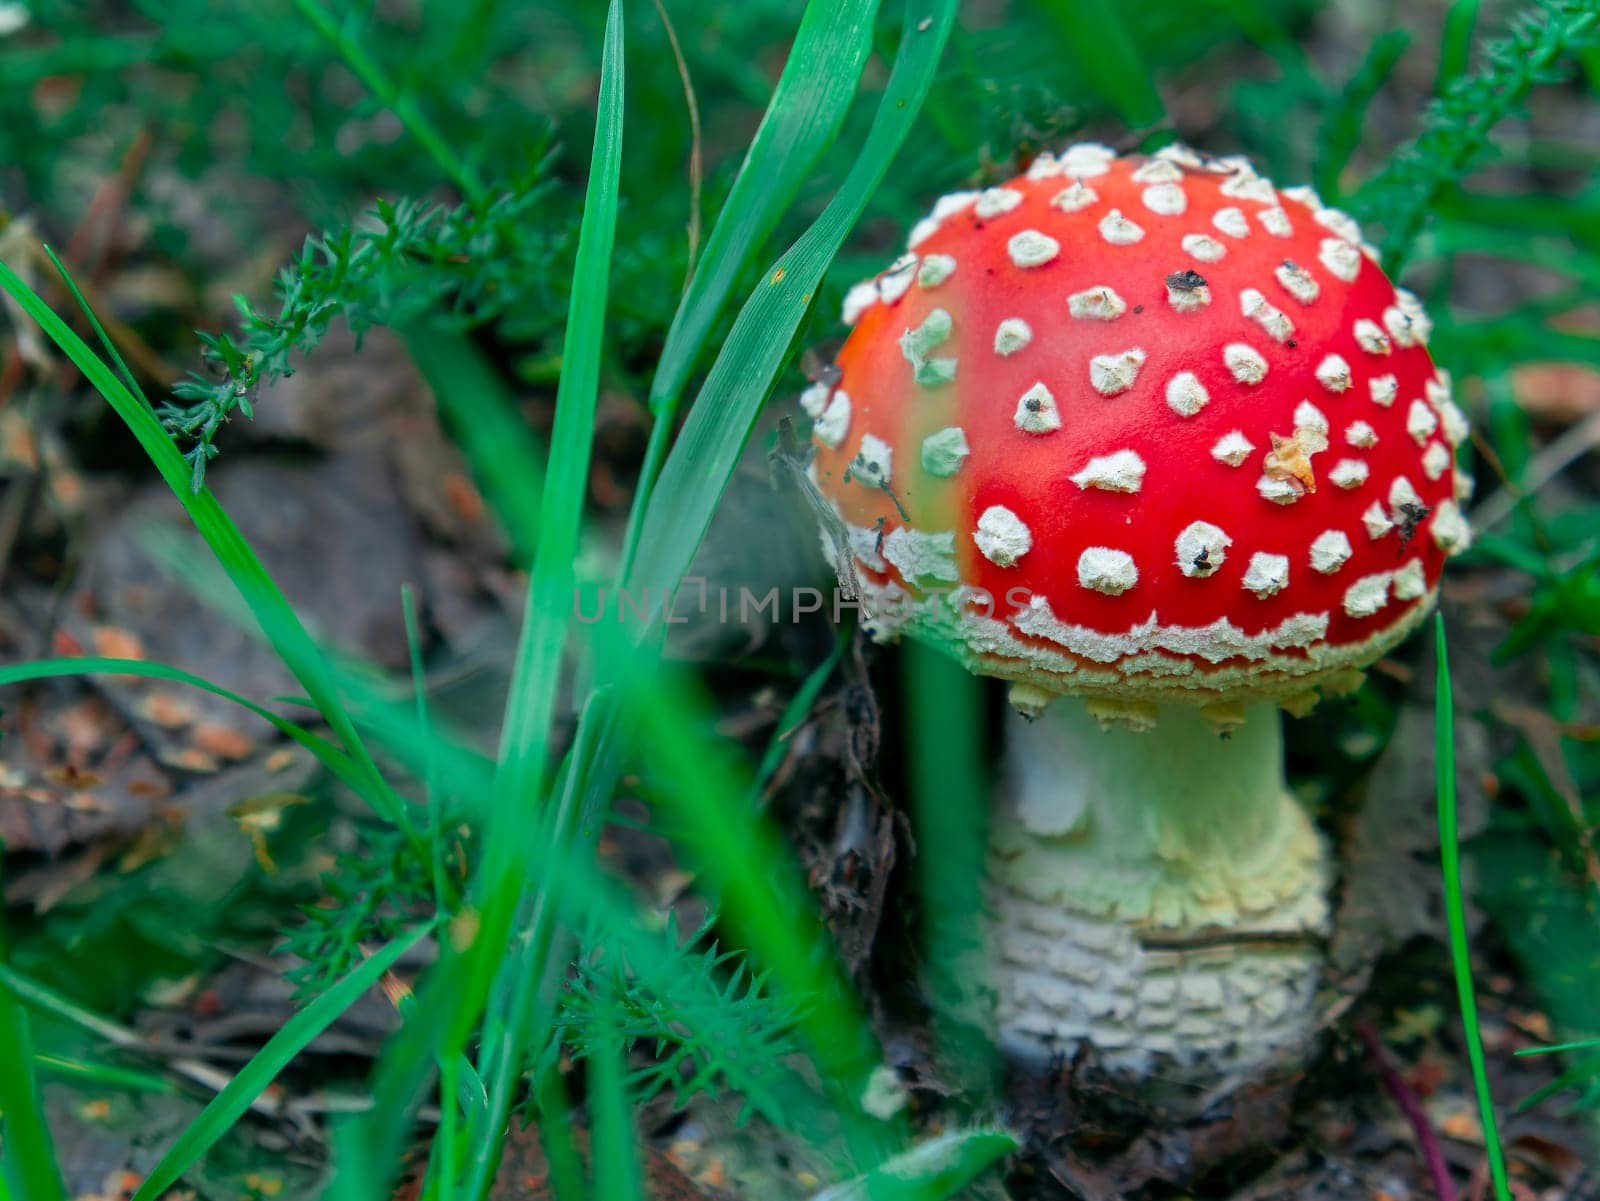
column 1155, row 438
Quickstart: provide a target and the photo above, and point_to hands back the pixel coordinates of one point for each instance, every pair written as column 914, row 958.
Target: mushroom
column 1159, row 444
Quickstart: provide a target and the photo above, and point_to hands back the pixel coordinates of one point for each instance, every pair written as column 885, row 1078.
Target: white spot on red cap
column 1268, row 316
column 1157, row 170
column 1267, row 574
column 1244, row 362
column 1097, row 304
column 1330, row 550
column 1030, row 248
column 1276, row 222
column 1338, row 223
column 1203, row 247
column 1187, row 291
column 995, row 202
column 955, row 202
column 944, row 452
column 815, row 399
column 1367, row 595
column 1231, row 221
column 1046, row 166
column 1436, row 460
column 921, row 232
column 1303, row 194
column 1421, row 323
column 1342, row 260
column 1111, row 374
column 1120, row 471
column 1002, row 537
column 1333, row 373
column 1233, row 448
column 1360, row 435
column 1036, row 411
column 1384, row 389
column 1165, row 199
column 1011, row 335
column 1201, row 548
column 921, row 554
column 1245, row 184
column 1376, row 521
column 1186, row 395
column 1370, row 337
column 858, row 300
column 1297, row 281
column 1075, row 197
column 1102, row 569
column 1399, row 326
column 896, row 281
column 1118, row 230
column 1403, row 495
column 834, row 423
column 1278, row 490
column 1410, row 581
column 1087, row 159
column 874, row 461
column 1449, row 528
column 936, row 268
column 1349, row 473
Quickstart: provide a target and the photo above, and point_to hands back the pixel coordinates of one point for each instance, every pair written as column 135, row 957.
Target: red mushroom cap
column 1143, row 428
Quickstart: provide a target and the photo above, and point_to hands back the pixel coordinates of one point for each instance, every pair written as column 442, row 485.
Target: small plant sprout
column 1216, row 480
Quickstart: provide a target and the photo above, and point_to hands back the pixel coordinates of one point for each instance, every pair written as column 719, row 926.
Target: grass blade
column 1105, row 54
column 455, row 994
column 1455, row 908
column 719, row 423
column 27, row 1156
column 272, row 611
column 330, row 756
column 802, row 120
column 930, row 1171
column 616, row 1167
column 377, row 81
column 228, row 1106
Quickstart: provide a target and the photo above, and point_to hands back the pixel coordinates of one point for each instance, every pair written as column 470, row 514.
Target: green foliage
column 710, row 1025
column 399, row 100
column 369, row 896
column 1457, row 126
column 470, row 263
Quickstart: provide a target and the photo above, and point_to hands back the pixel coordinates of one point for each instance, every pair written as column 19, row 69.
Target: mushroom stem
column 1157, row 895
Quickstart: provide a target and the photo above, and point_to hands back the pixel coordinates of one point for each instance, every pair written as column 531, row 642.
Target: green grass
column 1455, row 908
column 565, row 264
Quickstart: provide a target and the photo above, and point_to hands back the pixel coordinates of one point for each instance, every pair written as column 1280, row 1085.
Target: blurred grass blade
column 802, row 120
column 272, row 611
column 1340, row 132
column 1455, row 908
column 949, row 793
column 612, row 1141
column 330, row 756
column 932, row 1170
column 723, row 415
column 1105, row 54
column 27, row 1154
column 483, row 420
column 454, row 995
column 229, row 1105
column 405, row 109
column 1455, row 43
column 1582, row 1072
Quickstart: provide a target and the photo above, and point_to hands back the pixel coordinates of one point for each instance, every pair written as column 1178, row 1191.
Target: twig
column 1541, row 469
column 1406, row 1100
column 696, row 160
